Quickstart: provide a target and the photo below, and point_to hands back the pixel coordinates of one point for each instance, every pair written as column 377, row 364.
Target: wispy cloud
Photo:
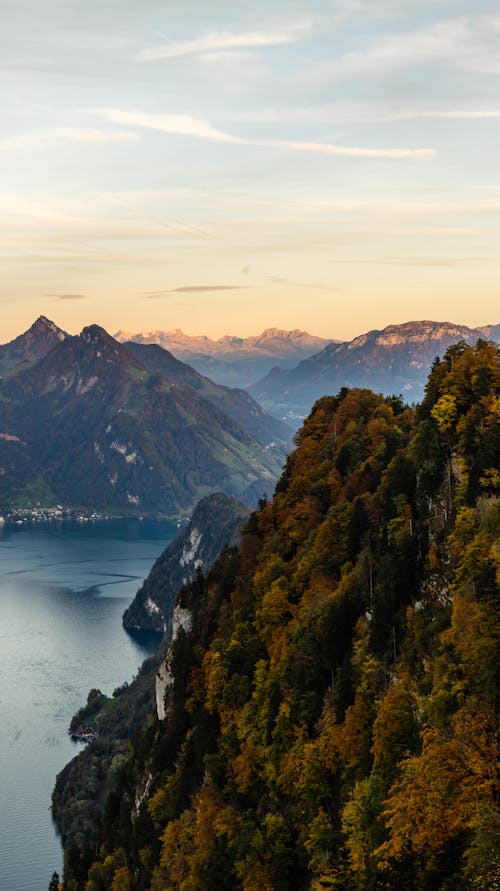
column 464, row 42
column 458, row 114
column 281, row 280
column 192, row 289
column 186, row 125
column 221, row 41
column 35, row 139
column 349, row 151
column 67, row 296
column 435, row 262
column 354, row 112
column 181, row 124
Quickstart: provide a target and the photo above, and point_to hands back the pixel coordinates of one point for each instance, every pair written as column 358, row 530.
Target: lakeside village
column 26, row 515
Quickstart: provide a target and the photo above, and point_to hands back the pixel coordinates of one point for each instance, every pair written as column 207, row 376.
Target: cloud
column 67, row 296
column 458, row 114
column 35, row 139
column 217, row 41
column 181, row 124
column 465, row 42
column 278, row 280
column 186, row 125
column 436, row 262
column 281, row 280
column 321, row 148
column 352, row 112
column 226, row 57
column 193, row 289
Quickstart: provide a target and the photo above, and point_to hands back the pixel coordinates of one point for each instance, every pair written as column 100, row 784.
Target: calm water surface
column 63, row 589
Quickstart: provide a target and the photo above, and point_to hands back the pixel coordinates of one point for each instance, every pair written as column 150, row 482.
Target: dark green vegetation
column 395, row 360
column 88, row 426
column 332, row 705
column 83, row 786
column 216, row 522
column 238, row 404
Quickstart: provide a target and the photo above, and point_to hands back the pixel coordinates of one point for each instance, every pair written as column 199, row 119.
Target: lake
column 63, row 589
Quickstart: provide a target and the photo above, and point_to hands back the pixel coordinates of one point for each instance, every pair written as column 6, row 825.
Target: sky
column 224, row 167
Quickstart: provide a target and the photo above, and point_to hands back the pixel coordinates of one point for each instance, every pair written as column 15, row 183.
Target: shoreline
column 40, row 515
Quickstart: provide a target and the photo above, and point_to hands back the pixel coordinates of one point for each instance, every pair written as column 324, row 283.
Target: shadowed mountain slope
column 238, row 404
column 89, row 426
column 32, row 345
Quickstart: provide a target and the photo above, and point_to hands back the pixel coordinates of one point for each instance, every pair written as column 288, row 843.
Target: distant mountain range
column 395, row 360
column 88, row 425
column 237, row 361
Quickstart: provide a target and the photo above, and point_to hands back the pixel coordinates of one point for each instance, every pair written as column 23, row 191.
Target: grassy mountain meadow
column 331, row 691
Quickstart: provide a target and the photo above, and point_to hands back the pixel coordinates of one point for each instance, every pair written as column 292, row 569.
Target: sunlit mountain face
column 394, row 360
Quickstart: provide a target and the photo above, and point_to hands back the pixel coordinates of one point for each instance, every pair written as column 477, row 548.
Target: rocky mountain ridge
column 89, row 426
column 32, row 345
column 393, row 360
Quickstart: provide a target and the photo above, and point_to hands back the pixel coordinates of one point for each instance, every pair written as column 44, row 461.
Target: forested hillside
column 332, row 690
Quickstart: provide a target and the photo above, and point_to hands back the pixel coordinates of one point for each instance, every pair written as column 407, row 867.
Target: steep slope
column 394, row 360
column 238, row 404
column 216, row 522
column 329, row 718
column 234, row 361
column 88, row 426
column 32, row 345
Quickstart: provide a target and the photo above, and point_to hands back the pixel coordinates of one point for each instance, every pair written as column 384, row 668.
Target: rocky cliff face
column 182, row 619
column 215, row 523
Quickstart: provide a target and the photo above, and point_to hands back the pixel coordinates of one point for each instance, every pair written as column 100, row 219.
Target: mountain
column 492, row 332
column 215, row 522
column 32, row 345
column 395, row 360
column 327, row 711
column 234, row 361
column 88, row 426
column 238, row 404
